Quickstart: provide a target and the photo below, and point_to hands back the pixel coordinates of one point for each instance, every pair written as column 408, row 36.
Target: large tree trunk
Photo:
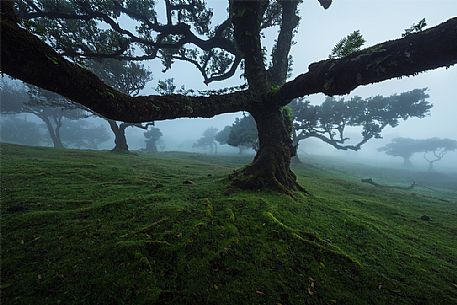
column 271, row 165
column 120, row 141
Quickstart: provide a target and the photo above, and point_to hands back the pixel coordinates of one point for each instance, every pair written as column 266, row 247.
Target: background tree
column 16, row 130
column 242, row 134
column 402, row 147
column 51, row 108
column 127, row 77
column 223, row 135
column 208, row 140
column 434, row 149
column 215, row 51
column 152, row 135
column 82, row 134
column 330, row 120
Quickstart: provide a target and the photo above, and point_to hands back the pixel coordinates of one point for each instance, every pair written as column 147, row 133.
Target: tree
column 434, row 149
column 127, row 77
column 329, row 121
column 152, row 135
column 51, row 108
column 402, row 147
column 208, row 140
column 82, row 134
column 242, row 134
column 21, row 131
column 223, row 135
column 216, row 52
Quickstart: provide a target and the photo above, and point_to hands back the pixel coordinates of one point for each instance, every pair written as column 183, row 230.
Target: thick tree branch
column 246, row 18
column 280, row 56
column 25, row 57
column 427, row 50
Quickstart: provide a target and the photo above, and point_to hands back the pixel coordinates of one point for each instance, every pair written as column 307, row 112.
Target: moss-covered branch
column 427, row 50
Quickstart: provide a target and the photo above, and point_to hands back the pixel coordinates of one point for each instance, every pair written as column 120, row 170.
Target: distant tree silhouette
column 242, row 134
column 152, row 135
column 17, row 130
column 208, row 140
column 434, row 149
column 330, row 120
column 82, row 134
column 50, row 107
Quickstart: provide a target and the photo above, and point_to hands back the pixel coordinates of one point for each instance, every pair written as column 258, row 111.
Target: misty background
column 319, row 31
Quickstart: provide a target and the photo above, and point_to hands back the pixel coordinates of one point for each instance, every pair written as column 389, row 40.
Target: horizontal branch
column 433, row 48
column 27, row 58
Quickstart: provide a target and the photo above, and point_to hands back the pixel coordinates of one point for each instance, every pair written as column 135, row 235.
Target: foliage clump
column 347, row 45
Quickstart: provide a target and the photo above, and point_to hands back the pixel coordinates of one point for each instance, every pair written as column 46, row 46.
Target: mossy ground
column 84, row 227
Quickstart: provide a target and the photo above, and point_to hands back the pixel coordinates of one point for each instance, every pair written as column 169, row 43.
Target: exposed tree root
column 254, row 177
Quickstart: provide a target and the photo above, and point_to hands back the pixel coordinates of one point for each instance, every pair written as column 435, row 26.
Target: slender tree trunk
column 271, row 165
column 407, row 161
column 430, row 166
column 295, row 159
column 120, row 141
column 54, row 133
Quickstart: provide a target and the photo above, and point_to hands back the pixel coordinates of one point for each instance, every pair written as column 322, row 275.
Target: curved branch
column 427, row 50
column 334, row 143
column 26, row 57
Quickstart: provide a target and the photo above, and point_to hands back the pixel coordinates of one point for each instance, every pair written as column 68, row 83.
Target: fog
column 319, row 31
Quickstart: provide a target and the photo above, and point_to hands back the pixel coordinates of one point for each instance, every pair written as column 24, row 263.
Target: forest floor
column 88, row 227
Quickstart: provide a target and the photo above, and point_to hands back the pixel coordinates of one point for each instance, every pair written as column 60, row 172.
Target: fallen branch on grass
column 370, row 181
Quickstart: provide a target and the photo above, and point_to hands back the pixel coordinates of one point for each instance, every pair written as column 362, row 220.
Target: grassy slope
column 99, row 228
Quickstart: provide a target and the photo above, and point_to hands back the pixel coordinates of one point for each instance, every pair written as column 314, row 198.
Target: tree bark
column 271, row 166
column 120, row 141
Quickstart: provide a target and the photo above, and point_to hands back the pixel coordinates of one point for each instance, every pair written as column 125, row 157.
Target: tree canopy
column 207, row 140
column 329, row 121
column 184, row 32
column 152, row 135
column 242, row 134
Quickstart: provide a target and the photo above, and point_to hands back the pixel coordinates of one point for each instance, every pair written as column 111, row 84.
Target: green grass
column 84, row 227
